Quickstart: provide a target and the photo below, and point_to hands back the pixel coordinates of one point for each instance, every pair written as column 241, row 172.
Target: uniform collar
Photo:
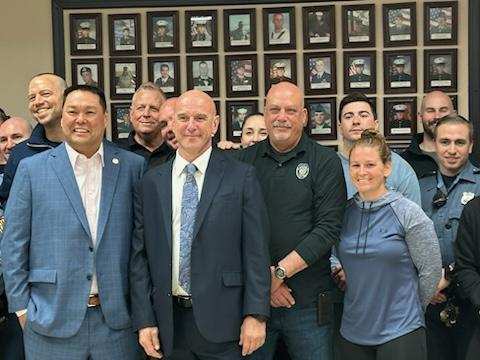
column 134, row 144
column 296, row 151
column 468, row 173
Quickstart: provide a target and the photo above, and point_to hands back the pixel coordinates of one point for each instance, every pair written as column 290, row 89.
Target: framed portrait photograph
column 162, row 32
column 241, row 75
column 320, row 76
column 125, row 77
column 202, row 74
column 165, row 73
column 120, row 117
column 440, row 70
column 201, row 30
column 279, row 66
column 358, row 26
column 87, row 72
column 322, row 118
column 399, row 24
column 124, row 34
column 318, row 27
column 400, row 117
column 359, row 73
column 240, row 33
column 400, row 69
column 441, row 23
column 237, row 112
column 86, row 34
column 279, row 28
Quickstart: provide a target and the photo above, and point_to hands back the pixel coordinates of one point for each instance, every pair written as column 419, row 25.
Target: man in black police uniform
column 304, row 190
column 146, row 138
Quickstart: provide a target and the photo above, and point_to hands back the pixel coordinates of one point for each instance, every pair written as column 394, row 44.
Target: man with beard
column 44, row 98
column 146, row 138
column 421, row 152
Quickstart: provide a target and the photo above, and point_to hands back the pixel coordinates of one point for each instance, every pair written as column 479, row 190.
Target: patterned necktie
column 187, row 222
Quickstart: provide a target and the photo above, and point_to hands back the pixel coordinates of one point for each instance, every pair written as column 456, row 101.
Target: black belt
column 183, row 301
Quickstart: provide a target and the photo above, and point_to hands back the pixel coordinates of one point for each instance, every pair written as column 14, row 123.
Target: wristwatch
column 280, row 273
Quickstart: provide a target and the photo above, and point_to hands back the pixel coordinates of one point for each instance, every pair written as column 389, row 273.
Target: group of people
column 167, row 246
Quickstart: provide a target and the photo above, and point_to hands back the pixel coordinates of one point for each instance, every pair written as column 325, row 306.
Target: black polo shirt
column 157, row 157
column 305, row 195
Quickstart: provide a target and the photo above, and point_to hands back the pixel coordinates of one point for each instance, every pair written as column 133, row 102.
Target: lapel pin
column 115, row 161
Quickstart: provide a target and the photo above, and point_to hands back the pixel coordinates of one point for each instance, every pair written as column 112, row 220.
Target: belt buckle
column 184, row 302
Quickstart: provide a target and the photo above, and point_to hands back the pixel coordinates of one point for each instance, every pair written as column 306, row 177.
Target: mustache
column 281, row 124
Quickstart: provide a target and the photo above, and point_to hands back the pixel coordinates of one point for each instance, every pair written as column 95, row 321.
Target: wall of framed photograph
column 393, row 50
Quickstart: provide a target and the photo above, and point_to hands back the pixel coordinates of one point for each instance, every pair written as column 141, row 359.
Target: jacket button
column 90, row 248
column 448, row 226
column 169, row 294
column 89, row 277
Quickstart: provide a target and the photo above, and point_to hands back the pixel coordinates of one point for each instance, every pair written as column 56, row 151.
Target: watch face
column 280, row 273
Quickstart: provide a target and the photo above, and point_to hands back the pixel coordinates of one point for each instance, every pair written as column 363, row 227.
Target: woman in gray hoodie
column 391, row 259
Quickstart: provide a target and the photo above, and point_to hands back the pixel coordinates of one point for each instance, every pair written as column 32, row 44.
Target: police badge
column 466, row 197
column 302, row 171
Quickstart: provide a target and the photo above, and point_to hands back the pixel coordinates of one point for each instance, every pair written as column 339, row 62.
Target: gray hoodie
column 391, row 257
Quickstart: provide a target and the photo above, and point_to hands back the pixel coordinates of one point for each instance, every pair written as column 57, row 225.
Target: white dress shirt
column 178, row 180
column 88, row 173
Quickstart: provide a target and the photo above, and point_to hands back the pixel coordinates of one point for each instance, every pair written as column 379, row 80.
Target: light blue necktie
column 187, row 222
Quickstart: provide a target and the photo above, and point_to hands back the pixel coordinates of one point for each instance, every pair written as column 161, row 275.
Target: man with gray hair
column 45, row 94
column 146, row 137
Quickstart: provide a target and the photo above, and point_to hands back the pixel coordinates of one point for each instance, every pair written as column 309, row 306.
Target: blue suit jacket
column 49, row 257
column 230, row 276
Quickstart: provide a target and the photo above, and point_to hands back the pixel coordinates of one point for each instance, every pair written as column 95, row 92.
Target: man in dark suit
column 199, row 269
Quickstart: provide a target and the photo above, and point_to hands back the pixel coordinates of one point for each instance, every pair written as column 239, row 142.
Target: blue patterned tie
column 187, row 222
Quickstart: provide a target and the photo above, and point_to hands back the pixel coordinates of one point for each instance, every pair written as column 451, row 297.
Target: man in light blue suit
column 67, row 238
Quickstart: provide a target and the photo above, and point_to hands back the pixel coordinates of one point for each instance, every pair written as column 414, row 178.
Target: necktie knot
column 190, row 169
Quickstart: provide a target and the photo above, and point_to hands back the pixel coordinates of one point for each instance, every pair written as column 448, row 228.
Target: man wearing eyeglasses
column 444, row 195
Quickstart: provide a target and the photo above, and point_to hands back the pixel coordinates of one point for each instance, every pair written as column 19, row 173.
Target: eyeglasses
column 439, row 199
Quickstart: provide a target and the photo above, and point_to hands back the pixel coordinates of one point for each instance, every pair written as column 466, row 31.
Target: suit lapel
column 64, row 171
column 165, row 198
column 213, row 178
column 110, row 172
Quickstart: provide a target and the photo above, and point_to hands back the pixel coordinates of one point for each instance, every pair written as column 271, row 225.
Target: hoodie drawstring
column 366, row 232
column 360, row 228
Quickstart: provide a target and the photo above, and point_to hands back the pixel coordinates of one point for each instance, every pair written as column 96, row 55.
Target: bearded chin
column 429, row 130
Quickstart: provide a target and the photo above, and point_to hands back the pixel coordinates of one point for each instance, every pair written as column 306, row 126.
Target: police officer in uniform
column 444, row 195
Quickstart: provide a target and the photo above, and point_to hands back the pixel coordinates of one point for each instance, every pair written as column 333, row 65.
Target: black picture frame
column 366, row 80
column 211, row 84
column 289, row 60
column 166, row 40
column 239, row 39
column 82, row 27
column 323, row 126
column 398, row 127
column 245, row 83
column 319, row 27
column 121, row 27
column 398, row 147
column 373, row 101
column 120, row 121
column 399, row 24
column 356, row 33
column 441, row 23
column 432, row 67
column 234, row 127
column 197, row 41
column 217, row 137
column 171, row 84
column 454, row 99
column 92, row 68
column 331, row 146
column 399, row 71
column 314, row 82
column 123, row 72
column 280, row 40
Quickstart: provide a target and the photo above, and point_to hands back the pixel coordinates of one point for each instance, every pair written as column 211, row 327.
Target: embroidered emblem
column 302, row 171
column 466, row 197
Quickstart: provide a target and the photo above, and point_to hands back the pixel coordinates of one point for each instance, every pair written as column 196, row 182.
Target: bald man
column 304, row 191
column 45, row 102
column 421, row 152
column 13, row 131
column 167, row 112
column 209, row 300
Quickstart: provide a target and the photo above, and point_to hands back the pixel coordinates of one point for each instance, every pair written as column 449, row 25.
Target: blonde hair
column 373, row 138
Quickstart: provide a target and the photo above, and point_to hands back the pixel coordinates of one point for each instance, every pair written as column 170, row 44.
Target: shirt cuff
column 21, row 312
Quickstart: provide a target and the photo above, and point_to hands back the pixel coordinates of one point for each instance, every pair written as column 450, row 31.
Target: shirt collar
column 73, row 155
column 300, row 148
column 468, row 173
column 200, row 162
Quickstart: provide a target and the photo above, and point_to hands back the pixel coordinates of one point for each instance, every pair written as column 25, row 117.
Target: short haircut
column 164, row 65
column 355, row 97
column 374, row 139
column 87, row 88
column 150, row 86
column 62, row 84
column 454, row 119
column 249, row 116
